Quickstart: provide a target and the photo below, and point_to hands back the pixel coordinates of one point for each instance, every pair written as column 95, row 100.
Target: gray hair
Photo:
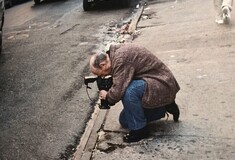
column 98, row 59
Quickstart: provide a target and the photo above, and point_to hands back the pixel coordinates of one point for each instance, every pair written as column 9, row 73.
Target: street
column 44, row 106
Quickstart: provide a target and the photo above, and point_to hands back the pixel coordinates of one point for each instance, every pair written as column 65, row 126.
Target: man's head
column 100, row 64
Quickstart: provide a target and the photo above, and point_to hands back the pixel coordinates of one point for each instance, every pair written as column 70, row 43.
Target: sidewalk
column 201, row 55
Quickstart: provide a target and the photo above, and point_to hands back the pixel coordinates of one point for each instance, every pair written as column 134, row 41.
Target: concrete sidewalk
column 201, row 55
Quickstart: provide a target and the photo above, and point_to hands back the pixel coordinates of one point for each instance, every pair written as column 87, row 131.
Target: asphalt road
column 43, row 103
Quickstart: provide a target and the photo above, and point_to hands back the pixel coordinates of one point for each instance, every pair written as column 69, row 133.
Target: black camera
column 102, row 84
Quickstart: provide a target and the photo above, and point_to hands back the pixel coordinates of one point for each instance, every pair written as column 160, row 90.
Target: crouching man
column 144, row 84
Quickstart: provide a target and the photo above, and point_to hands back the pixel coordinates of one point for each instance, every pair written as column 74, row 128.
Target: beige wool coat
column 130, row 62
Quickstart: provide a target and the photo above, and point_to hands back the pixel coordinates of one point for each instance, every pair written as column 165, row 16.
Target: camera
column 102, row 84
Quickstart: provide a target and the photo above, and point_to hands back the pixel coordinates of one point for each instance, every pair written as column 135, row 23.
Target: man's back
column 134, row 62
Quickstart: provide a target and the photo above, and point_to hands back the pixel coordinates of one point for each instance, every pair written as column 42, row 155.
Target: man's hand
column 103, row 94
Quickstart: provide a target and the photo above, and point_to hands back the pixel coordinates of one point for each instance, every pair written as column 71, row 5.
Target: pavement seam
column 89, row 138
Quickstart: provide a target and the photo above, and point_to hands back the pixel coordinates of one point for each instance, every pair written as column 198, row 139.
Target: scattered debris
column 108, row 142
column 108, row 147
column 122, row 32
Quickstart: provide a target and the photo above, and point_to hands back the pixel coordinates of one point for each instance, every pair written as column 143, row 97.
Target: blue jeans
column 134, row 116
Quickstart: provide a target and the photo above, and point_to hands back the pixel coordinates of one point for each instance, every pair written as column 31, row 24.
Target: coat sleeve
column 122, row 76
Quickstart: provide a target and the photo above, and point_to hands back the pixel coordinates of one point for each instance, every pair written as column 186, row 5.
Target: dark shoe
column 136, row 135
column 174, row 110
column 226, row 15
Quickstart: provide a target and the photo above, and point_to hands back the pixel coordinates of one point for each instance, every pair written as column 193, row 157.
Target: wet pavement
column 201, row 55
